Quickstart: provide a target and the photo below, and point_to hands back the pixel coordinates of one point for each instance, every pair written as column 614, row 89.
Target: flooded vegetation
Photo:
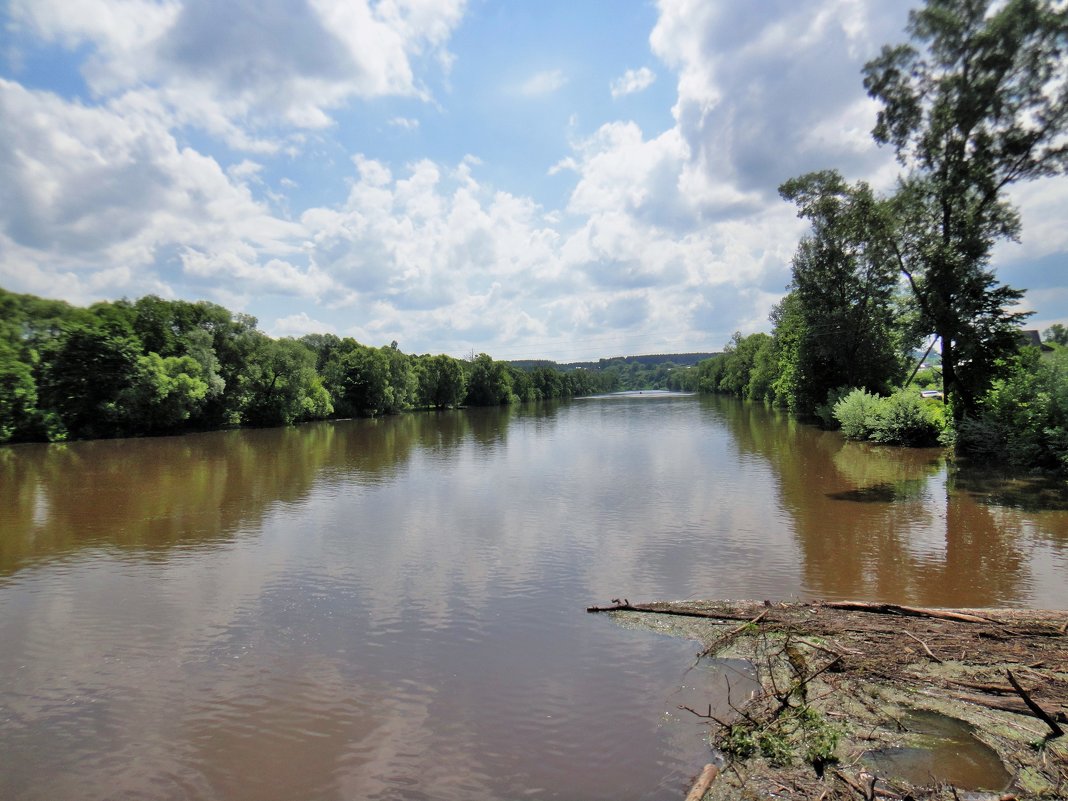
column 393, row 608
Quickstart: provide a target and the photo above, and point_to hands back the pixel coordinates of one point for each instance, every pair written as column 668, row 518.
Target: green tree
column 164, row 393
column 86, row 373
column 403, row 383
column 977, row 103
column 844, row 281
column 1023, row 419
column 739, row 357
column 1057, row 334
column 280, row 383
column 489, row 383
column 366, row 389
column 18, row 394
column 441, row 382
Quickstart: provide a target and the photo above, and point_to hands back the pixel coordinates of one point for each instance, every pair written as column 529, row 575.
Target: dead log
column 907, row 611
column 704, row 781
column 667, row 610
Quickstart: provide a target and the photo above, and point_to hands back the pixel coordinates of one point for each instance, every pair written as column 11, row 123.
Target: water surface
column 393, row 609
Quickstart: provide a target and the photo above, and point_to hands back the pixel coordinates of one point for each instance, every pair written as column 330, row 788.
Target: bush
column 905, row 419
column 1023, row 419
column 902, row 419
column 856, row 413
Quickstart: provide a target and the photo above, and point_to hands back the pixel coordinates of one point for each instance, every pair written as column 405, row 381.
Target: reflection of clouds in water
column 363, row 603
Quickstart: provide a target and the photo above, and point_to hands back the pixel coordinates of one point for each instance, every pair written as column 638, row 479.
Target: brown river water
column 394, row 609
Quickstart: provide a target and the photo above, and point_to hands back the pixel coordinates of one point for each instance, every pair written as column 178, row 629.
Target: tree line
column 975, row 102
column 154, row 366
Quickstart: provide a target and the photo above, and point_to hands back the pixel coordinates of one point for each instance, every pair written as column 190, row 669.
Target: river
column 394, row 609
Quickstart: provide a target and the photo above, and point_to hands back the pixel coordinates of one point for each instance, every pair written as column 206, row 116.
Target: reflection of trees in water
column 153, row 494
column 489, row 424
column 881, row 523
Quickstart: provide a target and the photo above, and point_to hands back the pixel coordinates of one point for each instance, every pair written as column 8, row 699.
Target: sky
column 561, row 179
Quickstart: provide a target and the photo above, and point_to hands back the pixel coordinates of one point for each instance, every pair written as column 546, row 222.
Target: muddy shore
column 866, row 701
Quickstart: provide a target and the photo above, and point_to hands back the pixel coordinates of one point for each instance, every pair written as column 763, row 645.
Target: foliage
column 155, row 366
column 440, row 382
column 901, row 419
column 489, row 383
column 164, row 393
column 799, row 731
column 857, row 414
column 86, row 372
column 906, row 419
column 1023, row 420
column 18, row 394
column 844, row 280
column 280, row 385
column 979, row 103
column 1056, row 334
column 748, row 368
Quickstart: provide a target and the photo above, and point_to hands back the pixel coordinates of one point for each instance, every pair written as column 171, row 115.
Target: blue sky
column 565, row 180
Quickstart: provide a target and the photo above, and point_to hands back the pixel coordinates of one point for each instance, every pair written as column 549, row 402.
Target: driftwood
column 880, row 657
column 907, row 611
column 704, row 781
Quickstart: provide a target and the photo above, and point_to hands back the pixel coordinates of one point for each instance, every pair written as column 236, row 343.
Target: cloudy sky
column 565, row 179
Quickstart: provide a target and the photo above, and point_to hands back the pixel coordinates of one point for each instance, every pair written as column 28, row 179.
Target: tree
column 18, row 393
column 366, row 389
column 489, row 383
column 164, row 394
column 1057, row 334
column 281, row 385
column 979, row 103
column 844, row 281
column 441, row 381
column 86, row 371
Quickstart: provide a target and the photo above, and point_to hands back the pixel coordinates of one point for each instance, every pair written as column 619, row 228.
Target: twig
column 1034, row 707
column 703, row 716
column 719, row 643
column 925, row 648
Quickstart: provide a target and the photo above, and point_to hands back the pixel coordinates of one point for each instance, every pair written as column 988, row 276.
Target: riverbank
column 868, row 701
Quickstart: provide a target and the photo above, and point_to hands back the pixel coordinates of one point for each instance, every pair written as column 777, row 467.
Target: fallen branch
column 907, row 611
column 704, row 781
column 659, row 610
column 726, row 638
column 925, row 648
column 703, row 716
column 1034, row 707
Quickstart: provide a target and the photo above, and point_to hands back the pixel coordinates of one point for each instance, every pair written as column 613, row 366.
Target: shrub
column 905, row 419
column 856, row 413
column 902, row 419
column 1023, row 419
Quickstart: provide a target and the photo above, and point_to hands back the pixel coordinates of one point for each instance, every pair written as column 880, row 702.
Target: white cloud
column 633, row 81
column 764, row 97
column 673, row 235
column 108, row 194
column 299, row 324
column 234, row 67
column 543, row 83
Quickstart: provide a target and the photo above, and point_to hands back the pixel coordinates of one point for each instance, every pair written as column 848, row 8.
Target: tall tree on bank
column 844, row 280
column 979, row 103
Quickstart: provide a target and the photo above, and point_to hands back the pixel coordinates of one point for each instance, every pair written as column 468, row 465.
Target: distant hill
column 651, row 360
